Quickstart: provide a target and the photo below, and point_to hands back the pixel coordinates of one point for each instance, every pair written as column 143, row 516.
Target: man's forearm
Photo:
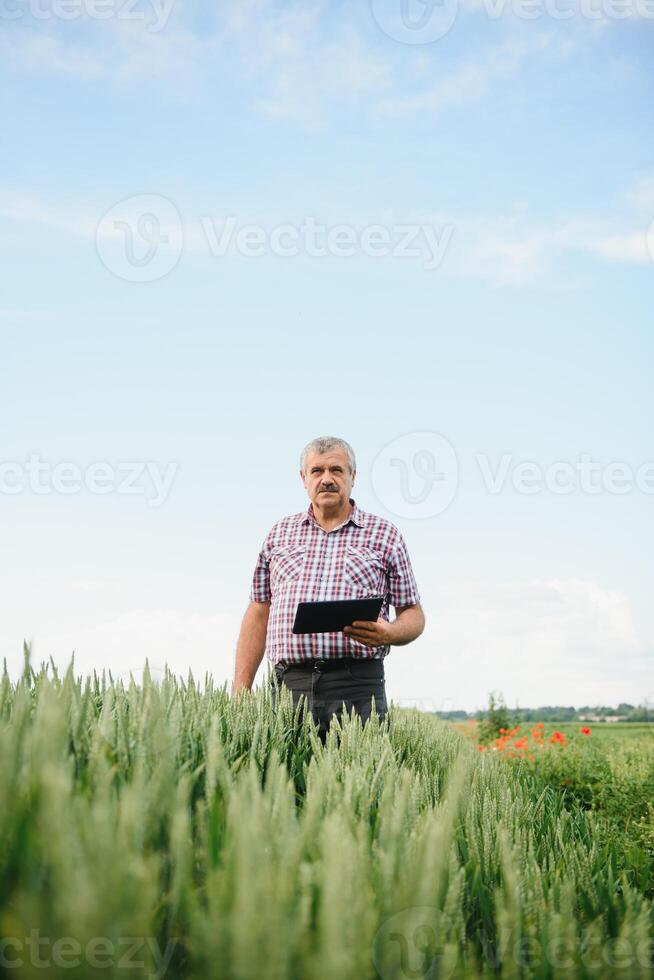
column 251, row 644
column 408, row 624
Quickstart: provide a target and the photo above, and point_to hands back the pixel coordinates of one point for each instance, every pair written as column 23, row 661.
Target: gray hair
column 323, row 445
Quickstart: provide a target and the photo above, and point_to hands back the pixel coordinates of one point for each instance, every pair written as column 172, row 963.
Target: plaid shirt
column 301, row 562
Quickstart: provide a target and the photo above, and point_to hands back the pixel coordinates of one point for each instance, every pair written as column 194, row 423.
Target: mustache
column 325, row 489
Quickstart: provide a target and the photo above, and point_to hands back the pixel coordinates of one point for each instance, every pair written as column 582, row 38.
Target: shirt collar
column 356, row 515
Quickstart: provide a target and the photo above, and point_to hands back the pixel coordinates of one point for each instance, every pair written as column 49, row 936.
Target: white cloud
column 345, row 70
column 117, row 50
column 628, row 247
column 24, row 209
column 30, row 52
column 471, row 80
column 251, row 42
column 294, row 61
column 515, row 248
column 512, row 248
column 540, row 642
column 183, row 641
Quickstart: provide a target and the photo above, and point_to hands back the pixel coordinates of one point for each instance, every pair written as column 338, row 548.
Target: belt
column 320, row 664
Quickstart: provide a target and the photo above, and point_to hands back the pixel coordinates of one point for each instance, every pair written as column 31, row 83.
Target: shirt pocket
column 286, row 565
column 364, row 571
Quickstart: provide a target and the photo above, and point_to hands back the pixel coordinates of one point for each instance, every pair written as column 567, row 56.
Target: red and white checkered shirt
column 301, row 562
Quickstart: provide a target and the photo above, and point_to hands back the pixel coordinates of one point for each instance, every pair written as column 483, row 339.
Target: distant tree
column 547, row 713
column 494, row 719
column 642, row 714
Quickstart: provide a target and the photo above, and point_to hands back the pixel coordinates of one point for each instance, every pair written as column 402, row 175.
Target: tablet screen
column 332, row 615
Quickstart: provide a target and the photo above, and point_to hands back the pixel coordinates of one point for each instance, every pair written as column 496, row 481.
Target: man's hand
column 408, row 624
column 373, row 634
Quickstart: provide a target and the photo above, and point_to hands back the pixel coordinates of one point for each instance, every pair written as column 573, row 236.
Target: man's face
column 328, row 479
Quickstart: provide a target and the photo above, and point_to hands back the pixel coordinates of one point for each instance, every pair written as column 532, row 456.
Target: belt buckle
column 318, row 664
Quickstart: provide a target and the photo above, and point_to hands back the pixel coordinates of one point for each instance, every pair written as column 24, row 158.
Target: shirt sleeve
column 403, row 590
column 260, row 588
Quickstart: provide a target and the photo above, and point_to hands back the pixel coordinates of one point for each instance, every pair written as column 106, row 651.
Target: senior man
column 333, row 550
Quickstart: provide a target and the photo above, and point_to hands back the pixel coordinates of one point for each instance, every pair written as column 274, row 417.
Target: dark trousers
column 333, row 686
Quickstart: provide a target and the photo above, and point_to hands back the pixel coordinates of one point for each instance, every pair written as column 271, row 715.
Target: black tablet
column 333, row 615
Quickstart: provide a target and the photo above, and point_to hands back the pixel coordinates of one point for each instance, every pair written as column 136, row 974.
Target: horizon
column 105, row 674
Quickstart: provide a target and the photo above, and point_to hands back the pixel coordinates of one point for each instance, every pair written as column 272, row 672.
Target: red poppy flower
column 585, row 731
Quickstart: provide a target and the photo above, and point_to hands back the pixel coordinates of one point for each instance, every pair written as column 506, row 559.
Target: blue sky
column 524, row 145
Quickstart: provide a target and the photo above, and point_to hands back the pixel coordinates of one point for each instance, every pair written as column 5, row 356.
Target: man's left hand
column 373, row 634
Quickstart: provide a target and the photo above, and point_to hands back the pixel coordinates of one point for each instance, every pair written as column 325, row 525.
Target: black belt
column 321, row 664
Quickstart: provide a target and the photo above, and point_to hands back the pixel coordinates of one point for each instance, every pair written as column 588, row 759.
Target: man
column 333, row 550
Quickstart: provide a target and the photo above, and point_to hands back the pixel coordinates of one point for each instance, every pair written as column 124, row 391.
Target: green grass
column 610, row 773
column 219, row 834
column 623, row 731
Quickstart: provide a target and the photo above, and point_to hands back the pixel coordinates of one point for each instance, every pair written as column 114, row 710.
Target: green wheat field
column 165, row 828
